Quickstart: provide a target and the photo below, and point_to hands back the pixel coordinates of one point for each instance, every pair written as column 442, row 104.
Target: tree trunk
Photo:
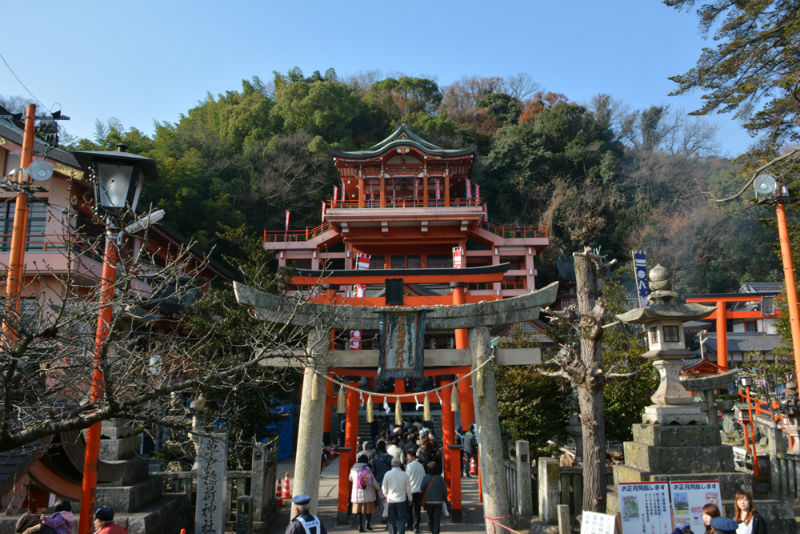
column 589, row 274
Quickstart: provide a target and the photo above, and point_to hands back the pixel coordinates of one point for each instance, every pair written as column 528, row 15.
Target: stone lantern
column 663, row 320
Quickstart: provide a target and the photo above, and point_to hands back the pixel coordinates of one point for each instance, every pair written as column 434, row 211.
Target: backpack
column 473, row 442
column 364, row 478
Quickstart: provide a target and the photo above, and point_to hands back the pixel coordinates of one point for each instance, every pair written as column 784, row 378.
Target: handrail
column 39, row 242
column 295, row 235
column 762, row 406
column 403, row 203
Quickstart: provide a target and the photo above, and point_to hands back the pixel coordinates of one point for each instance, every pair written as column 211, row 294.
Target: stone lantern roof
column 663, row 303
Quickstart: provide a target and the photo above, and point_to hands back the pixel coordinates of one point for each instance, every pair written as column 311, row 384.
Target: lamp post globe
column 119, row 177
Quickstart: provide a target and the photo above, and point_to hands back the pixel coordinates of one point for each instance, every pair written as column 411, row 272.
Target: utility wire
column 22, row 84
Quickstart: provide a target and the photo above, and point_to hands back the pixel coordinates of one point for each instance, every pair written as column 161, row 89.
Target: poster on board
column 688, row 499
column 595, row 523
column 645, row 508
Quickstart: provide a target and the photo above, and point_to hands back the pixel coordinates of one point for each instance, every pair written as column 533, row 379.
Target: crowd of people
column 399, row 473
column 62, row 520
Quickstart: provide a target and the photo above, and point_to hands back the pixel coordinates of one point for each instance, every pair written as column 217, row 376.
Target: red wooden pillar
column 451, row 476
column 424, row 197
column 455, row 489
column 361, row 194
column 351, row 424
column 722, row 339
column 447, row 190
column 383, row 192
column 344, row 485
column 466, row 403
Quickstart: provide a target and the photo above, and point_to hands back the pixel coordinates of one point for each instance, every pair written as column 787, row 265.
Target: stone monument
column 675, row 440
column 211, row 474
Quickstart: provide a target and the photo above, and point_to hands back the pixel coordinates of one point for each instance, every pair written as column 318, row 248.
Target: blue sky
column 144, row 61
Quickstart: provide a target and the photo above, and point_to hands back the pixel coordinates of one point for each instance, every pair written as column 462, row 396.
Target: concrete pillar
column 493, row 474
column 548, row 490
column 524, row 490
column 711, row 408
column 775, row 437
column 326, row 428
column 312, row 415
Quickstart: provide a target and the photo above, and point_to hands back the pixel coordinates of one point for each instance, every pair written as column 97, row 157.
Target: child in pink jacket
column 62, row 520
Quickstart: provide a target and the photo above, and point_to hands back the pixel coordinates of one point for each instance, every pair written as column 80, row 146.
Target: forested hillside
column 596, row 173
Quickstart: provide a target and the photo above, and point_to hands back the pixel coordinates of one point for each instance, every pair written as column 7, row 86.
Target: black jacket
column 759, row 524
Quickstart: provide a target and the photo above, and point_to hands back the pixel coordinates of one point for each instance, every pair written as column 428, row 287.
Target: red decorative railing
column 294, row 236
column 515, row 232
column 404, row 203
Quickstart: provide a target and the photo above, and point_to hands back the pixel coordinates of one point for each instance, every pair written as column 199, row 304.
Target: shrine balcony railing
column 508, row 283
column 404, row 203
column 516, row 232
column 294, row 235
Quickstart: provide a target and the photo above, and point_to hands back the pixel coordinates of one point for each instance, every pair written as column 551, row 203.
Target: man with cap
column 724, row 525
column 104, row 522
column 397, row 488
column 304, row 522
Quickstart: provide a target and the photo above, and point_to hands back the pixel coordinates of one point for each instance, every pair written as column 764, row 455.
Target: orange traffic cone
column 473, row 470
column 287, row 493
column 278, row 495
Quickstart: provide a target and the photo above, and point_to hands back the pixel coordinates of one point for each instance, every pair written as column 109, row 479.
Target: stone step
column 131, row 498
column 167, row 514
column 676, row 460
column 120, row 449
column 124, row 472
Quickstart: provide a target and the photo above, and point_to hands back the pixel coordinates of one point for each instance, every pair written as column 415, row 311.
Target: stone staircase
column 136, row 497
column 364, row 426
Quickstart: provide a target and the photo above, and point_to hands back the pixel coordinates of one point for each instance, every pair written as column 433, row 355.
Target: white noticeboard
column 688, row 499
column 594, row 523
column 645, row 508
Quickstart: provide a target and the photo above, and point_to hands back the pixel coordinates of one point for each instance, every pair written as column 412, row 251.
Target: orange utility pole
column 16, row 262
column 791, row 286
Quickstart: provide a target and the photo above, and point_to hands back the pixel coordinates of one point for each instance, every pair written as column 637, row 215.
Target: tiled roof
column 13, row 131
column 746, row 342
column 401, row 137
column 761, row 287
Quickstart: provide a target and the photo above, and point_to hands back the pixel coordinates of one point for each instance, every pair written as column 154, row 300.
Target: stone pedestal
column 679, row 452
column 687, row 414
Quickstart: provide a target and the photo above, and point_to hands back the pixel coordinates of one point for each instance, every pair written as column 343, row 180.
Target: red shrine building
column 406, row 226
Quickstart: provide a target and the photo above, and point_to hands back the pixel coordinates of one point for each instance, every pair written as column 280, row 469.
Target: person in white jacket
column 416, row 472
column 397, row 488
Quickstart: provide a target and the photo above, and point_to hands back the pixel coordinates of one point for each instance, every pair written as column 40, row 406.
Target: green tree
column 531, row 406
column 398, row 97
column 502, row 107
column 753, row 69
column 323, row 107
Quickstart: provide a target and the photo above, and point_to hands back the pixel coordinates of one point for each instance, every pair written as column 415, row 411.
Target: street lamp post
column 118, row 180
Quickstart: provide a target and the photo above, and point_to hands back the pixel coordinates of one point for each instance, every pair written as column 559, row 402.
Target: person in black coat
column 434, row 495
column 746, row 513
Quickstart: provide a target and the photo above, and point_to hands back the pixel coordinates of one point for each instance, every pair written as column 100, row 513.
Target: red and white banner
column 287, row 220
column 469, row 189
column 416, row 190
column 335, row 196
column 324, row 206
column 485, row 213
column 361, row 290
column 458, row 258
column 344, row 196
column 362, row 262
column 355, row 340
column 438, row 190
column 477, row 192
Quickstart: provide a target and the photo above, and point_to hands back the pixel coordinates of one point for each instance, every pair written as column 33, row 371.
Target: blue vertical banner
column 640, row 273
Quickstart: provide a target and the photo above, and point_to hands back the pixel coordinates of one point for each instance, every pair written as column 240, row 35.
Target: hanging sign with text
column 645, row 508
column 688, row 499
column 401, row 352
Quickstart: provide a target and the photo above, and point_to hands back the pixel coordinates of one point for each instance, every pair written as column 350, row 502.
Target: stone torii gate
column 477, row 318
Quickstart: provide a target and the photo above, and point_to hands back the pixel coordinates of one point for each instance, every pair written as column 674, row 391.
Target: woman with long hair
column 710, row 511
column 750, row 521
column 364, row 494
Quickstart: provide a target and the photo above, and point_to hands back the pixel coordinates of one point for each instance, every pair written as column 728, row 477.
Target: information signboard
column 645, row 508
column 595, row 523
column 688, row 499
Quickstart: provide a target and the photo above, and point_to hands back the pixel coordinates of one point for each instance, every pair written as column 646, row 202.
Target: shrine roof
column 403, row 136
column 746, row 341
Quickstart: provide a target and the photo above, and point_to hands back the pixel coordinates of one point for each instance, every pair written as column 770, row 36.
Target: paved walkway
column 329, row 491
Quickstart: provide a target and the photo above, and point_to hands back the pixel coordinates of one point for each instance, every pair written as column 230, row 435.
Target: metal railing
column 38, row 242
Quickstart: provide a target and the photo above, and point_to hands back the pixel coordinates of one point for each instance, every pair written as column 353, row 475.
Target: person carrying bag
column 435, row 496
